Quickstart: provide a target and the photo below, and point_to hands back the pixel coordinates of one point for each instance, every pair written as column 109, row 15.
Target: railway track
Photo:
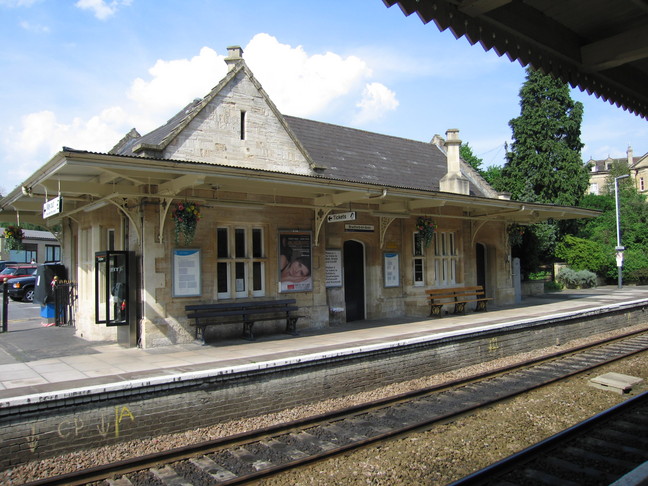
column 598, row 451
column 246, row 457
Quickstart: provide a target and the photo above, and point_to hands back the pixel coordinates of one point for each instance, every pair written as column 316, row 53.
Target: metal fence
column 65, row 296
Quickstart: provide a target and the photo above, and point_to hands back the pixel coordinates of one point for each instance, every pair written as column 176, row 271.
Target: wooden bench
column 247, row 313
column 459, row 296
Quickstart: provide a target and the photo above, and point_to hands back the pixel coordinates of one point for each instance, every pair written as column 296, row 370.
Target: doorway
column 480, row 259
column 354, row 280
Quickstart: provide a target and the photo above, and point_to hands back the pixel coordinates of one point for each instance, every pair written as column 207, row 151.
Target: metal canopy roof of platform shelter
column 599, row 46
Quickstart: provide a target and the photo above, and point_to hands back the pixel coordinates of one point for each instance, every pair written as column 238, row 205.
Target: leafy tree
column 493, row 175
column 582, row 254
column 544, row 162
column 633, row 211
column 466, row 153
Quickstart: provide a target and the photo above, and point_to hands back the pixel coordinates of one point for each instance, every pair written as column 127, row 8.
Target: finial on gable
column 234, row 55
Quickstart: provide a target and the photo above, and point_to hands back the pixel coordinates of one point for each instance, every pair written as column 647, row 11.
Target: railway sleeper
column 595, row 458
column 212, row 469
column 578, row 471
column 311, row 443
column 286, row 452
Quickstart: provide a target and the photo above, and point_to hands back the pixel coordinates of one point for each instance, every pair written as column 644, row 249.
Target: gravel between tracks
column 443, row 454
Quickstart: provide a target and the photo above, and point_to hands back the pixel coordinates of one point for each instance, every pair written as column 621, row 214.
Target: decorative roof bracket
column 320, row 217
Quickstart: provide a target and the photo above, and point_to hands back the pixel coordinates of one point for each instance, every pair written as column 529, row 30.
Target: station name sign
column 334, row 218
column 52, row 207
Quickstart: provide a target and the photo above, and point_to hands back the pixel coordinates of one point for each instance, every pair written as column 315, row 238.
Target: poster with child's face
column 295, row 261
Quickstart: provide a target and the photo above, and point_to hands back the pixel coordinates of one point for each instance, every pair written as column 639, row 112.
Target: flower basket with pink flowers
column 185, row 216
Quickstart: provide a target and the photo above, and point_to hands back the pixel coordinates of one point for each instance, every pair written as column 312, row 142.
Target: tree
column 493, row 175
column 602, row 230
column 466, row 153
column 543, row 163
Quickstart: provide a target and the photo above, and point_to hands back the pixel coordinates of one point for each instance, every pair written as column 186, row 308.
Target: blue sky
column 82, row 73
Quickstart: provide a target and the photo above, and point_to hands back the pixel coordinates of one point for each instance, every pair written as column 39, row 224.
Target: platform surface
column 37, row 360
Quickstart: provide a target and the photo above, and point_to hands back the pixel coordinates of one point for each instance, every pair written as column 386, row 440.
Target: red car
column 14, row 271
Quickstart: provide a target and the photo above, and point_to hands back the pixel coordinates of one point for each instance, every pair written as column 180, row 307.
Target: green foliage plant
column 576, row 279
column 543, row 163
column 582, row 254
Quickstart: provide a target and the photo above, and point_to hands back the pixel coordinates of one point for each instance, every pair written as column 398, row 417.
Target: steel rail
column 127, row 466
column 494, row 474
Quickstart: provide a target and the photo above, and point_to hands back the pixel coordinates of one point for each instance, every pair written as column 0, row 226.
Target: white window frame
column 446, row 258
column 244, row 287
column 418, row 260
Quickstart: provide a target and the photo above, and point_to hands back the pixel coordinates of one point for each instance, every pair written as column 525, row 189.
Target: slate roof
column 338, row 152
column 356, row 155
column 157, row 136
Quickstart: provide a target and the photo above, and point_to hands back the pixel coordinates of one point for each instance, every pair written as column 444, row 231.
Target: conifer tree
column 543, row 163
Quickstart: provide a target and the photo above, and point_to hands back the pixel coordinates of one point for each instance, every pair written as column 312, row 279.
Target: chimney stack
column 454, row 180
column 630, row 154
column 234, row 55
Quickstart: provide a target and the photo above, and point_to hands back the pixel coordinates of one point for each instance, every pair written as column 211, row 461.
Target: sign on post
column 52, row 207
column 348, row 216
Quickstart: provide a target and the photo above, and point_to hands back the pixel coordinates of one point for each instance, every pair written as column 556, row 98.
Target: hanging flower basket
column 516, row 234
column 13, row 237
column 185, row 216
column 426, row 228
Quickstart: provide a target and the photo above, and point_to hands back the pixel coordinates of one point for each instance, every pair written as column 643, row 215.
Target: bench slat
column 457, row 296
column 239, row 305
column 246, row 313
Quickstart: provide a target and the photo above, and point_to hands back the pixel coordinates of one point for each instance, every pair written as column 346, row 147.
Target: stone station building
column 347, row 201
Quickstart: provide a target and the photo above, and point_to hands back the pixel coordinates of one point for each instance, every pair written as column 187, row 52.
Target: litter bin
column 46, row 274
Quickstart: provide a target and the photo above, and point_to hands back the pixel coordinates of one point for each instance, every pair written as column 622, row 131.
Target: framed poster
column 295, row 261
column 186, row 273
column 392, row 270
column 333, row 268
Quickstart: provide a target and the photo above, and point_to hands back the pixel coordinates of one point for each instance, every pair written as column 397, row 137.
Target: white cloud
column 301, row 84
column 41, row 135
column 18, row 3
column 376, row 100
column 175, row 83
column 100, row 8
column 39, row 29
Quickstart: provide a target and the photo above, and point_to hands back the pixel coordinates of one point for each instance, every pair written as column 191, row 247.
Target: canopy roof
column 88, row 180
column 599, row 46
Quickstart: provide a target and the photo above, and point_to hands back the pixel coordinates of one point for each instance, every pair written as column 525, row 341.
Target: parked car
column 14, row 271
column 21, row 288
column 4, row 263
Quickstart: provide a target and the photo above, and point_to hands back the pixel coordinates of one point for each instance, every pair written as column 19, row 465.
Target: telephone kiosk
column 115, row 293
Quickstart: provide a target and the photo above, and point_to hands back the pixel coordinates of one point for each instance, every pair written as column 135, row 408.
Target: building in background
column 37, row 246
column 600, row 172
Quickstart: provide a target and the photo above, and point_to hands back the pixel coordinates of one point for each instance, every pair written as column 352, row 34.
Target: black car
column 22, row 288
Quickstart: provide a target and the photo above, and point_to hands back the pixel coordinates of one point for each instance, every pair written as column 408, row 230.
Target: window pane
column 239, row 242
column 221, row 277
column 418, row 244
column 257, row 243
column 240, row 276
column 222, row 242
column 418, row 270
column 257, row 276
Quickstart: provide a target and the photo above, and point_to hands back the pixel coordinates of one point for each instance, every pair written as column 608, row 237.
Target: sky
column 83, row 73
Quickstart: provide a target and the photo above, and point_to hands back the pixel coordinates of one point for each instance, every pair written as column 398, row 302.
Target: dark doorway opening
column 480, row 258
column 354, row 291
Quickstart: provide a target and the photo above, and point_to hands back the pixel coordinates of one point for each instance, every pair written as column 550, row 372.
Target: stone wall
column 51, row 427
